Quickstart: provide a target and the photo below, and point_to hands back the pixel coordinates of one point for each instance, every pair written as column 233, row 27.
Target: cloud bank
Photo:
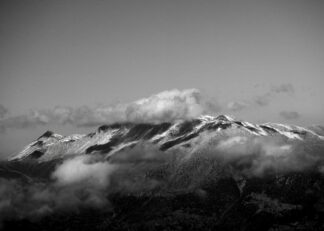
column 75, row 184
column 165, row 106
column 261, row 156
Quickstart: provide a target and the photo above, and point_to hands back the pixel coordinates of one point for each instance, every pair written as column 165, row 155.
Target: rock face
column 208, row 173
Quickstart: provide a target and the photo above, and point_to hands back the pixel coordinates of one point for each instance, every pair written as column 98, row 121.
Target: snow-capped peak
column 208, row 118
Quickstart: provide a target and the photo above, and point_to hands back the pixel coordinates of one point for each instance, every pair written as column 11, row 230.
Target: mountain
column 207, row 173
column 110, row 139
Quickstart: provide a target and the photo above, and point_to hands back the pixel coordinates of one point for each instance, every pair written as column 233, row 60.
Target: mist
column 87, row 181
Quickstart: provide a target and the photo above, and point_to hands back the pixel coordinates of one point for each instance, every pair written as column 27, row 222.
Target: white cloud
column 81, row 170
column 165, row 106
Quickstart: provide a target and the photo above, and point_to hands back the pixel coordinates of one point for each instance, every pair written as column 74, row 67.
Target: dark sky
column 261, row 60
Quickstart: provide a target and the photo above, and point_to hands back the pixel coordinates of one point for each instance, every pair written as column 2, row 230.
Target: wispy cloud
column 319, row 129
column 289, row 115
column 237, row 106
column 283, row 88
column 3, row 111
column 264, row 99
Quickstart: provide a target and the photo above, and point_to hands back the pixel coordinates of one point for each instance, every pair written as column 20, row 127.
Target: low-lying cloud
column 83, row 170
column 77, row 183
column 260, row 156
column 87, row 181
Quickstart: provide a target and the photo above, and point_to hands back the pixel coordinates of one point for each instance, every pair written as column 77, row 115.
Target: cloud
column 319, row 129
column 289, row 115
column 262, row 100
column 3, row 111
column 265, row 99
column 260, row 156
column 165, row 106
column 283, row 88
column 81, row 182
column 77, row 183
column 87, row 181
column 82, row 169
column 237, row 106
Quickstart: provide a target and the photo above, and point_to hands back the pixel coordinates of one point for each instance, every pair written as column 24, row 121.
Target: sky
column 70, row 65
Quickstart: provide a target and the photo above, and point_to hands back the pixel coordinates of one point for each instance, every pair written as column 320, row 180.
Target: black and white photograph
column 162, row 115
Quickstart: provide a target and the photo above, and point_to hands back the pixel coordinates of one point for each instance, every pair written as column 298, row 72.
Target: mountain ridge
column 112, row 138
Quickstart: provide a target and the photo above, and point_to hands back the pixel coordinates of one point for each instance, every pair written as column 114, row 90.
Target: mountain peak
column 50, row 134
column 209, row 118
column 225, row 118
column 47, row 134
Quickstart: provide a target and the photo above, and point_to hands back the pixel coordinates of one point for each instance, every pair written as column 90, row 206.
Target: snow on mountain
column 109, row 139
